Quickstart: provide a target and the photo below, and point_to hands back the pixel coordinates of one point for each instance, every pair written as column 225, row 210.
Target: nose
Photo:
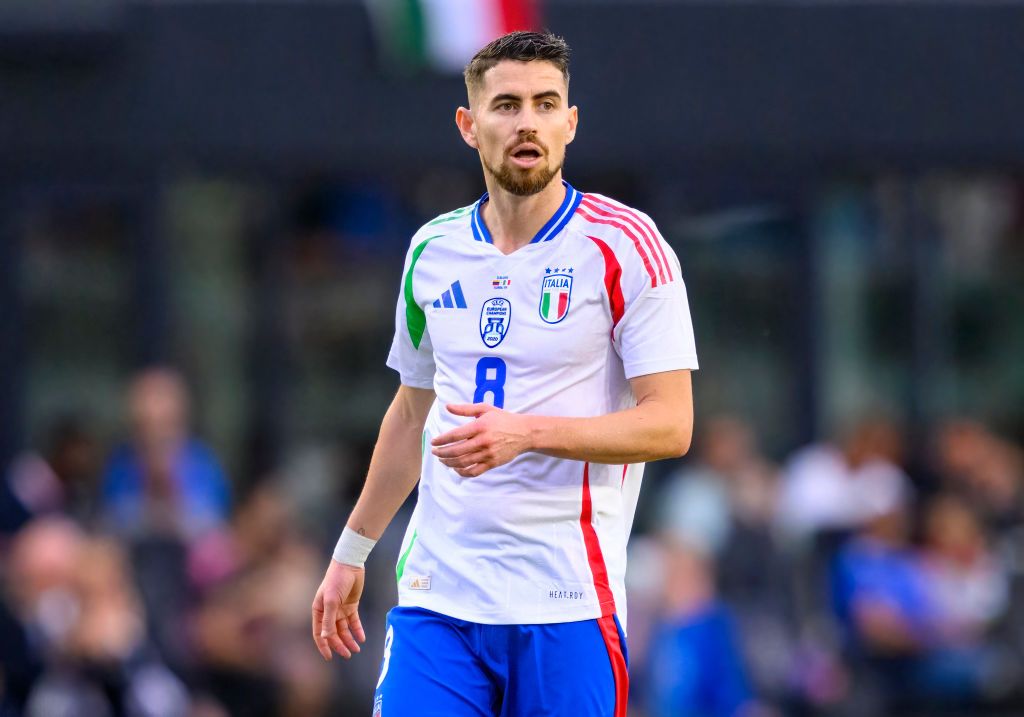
column 527, row 121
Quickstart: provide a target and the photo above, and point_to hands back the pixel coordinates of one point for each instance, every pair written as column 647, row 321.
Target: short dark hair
column 521, row 46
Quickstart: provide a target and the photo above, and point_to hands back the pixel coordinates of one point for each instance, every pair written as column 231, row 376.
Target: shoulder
column 630, row 235
column 453, row 222
column 439, row 229
column 603, row 206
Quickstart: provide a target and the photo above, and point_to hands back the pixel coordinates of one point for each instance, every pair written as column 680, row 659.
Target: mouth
column 526, row 155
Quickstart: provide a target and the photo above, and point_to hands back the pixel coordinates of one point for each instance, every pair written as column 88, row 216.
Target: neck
column 514, row 221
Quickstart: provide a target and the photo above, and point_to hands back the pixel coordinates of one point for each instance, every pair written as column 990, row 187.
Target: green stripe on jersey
column 400, row 568
column 405, row 556
column 451, row 216
column 415, row 319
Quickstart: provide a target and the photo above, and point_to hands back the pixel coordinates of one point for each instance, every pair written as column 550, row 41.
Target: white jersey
column 555, row 328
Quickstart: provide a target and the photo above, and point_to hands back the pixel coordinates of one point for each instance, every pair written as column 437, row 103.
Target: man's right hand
column 336, row 626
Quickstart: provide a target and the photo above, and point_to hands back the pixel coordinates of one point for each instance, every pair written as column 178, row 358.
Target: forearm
column 394, row 469
column 647, row 432
column 659, row 426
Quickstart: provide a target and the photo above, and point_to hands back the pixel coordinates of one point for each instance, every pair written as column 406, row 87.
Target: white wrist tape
column 353, row 548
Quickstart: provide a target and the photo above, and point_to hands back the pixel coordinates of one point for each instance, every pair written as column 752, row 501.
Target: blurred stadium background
column 203, row 211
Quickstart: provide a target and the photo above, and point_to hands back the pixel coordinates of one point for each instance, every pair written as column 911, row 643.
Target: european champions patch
column 495, row 316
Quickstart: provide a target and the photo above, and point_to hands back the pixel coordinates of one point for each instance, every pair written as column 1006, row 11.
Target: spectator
column 695, row 504
column 62, row 478
column 80, row 630
column 965, row 580
column 970, row 589
column 879, row 591
column 164, row 481
column 833, row 488
column 695, row 665
column 40, row 568
column 915, row 623
column 726, row 503
column 251, row 622
column 983, row 468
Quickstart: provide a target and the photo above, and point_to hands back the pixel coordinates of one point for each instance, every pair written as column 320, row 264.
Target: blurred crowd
column 857, row 578
column 135, row 584
column 869, row 575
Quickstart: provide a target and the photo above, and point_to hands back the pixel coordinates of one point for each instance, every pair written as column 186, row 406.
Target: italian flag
column 445, row 34
column 553, row 305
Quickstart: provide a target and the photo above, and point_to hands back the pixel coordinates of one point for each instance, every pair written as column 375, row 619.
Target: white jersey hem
column 503, row 617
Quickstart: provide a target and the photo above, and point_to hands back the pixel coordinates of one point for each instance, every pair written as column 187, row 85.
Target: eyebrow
column 505, row 96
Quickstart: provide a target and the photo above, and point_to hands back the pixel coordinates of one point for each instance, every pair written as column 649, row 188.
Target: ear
column 573, row 119
column 467, row 127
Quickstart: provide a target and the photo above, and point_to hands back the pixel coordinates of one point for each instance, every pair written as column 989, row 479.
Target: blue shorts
column 437, row 666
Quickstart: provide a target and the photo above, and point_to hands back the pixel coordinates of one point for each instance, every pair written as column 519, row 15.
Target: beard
column 519, row 182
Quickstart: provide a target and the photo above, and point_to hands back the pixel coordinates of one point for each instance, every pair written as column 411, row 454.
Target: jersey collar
column 547, row 232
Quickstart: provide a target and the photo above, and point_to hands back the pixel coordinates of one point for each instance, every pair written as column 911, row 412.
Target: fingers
column 467, row 431
column 329, row 629
column 318, row 621
column 456, row 450
column 338, row 644
column 468, row 459
column 469, row 409
column 462, row 433
column 356, row 625
column 474, row 470
column 336, row 624
column 465, row 454
column 347, row 638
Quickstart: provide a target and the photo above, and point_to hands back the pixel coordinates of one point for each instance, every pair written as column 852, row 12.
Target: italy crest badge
column 555, row 294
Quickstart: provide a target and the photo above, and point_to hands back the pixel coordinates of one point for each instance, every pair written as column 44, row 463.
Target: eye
column 547, row 105
column 506, row 107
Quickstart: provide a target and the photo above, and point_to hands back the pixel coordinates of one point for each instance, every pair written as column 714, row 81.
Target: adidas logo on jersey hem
column 453, row 298
column 420, row 582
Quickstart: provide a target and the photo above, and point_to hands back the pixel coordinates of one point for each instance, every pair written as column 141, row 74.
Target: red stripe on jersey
column 593, row 545
column 612, row 281
column 636, row 240
column 563, row 304
column 648, row 226
column 624, row 469
column 604, row 208
column 620, row 672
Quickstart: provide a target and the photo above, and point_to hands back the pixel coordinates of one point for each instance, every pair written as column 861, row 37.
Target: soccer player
column 544, row 346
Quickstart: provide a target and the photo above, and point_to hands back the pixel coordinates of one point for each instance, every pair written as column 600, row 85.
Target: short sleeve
column 655, row 333
column 411, row 352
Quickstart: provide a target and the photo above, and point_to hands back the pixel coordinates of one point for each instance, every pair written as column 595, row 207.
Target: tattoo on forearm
column 361, row 531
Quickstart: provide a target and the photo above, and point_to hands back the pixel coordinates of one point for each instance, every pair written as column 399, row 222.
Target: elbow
column 686, row 441
column 676, row 443
column 681, row 441
column 669, row 432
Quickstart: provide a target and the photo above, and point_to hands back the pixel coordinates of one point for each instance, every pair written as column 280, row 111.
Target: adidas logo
column 451, row 299
column 420, row 583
